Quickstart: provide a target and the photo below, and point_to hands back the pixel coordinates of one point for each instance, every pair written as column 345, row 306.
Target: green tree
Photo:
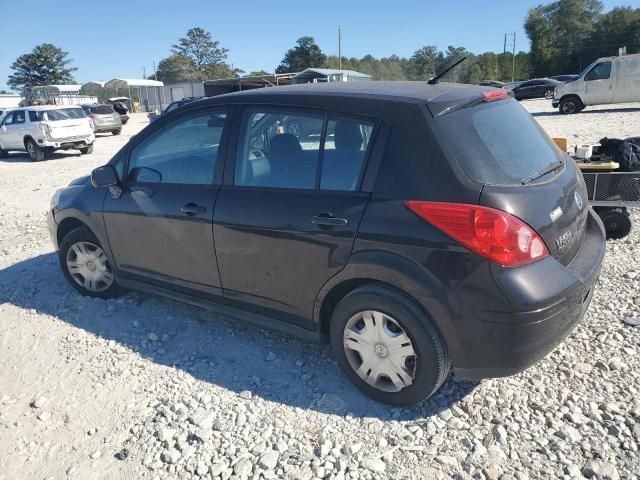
column 196, row 57
column 45, row 65
column 305, row 54
column 559, row 32
column 422, row 64
column 618, row 28
column 259, row 73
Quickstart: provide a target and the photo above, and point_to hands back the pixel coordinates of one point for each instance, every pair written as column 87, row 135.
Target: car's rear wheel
column 86, row 265
column 87, row 150
column 548, row 94
column 117, row 132
column 387, row 346
column 3, row 153
column 36, row 153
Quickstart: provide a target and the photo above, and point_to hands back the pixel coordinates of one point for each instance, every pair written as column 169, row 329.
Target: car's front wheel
column 86, row 265
column 387, row 346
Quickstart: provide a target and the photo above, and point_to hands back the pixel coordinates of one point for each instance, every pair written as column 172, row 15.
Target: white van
column 606, row 81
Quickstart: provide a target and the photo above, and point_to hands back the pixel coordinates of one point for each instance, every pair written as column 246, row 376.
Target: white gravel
column 141, row 387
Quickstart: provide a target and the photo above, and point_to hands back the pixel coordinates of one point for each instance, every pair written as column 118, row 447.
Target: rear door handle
column 328, row 220
column 192, row 209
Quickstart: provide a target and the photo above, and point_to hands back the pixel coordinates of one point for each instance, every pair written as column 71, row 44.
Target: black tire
column 4, row 153
column 548, row 94
column 570, row 105
column 117, row 132
column 432, row 364
column 617, row 222
column 86, row 150
column 36, row 153
column 83, row 234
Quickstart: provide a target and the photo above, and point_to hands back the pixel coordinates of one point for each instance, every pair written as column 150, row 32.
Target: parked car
column 430, row 227
column 173, row 105
column 606, row 81
column 122, row 110
column 40, row 130
column 537, row 88
column 103, row 118
column 565, row 78
column 492, row 83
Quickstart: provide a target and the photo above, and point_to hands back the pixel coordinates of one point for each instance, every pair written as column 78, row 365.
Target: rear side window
column 279, row 150
column 35, row 116
column 102, row 109
column 601, row 71
column 287, row 150
column 345, row 148
column 498, row 143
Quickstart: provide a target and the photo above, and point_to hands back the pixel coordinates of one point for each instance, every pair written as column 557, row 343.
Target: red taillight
column 499, row 236
column 493, row 95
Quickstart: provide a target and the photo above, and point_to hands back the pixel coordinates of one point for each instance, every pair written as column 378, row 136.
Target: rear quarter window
column 498, row 143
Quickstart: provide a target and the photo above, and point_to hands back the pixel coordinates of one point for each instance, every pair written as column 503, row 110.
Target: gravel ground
column 141, row 387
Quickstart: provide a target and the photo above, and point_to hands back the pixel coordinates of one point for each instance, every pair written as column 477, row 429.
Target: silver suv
column 41, row 130
column 103, row 118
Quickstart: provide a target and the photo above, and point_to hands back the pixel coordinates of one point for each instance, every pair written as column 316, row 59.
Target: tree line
column 565, row 36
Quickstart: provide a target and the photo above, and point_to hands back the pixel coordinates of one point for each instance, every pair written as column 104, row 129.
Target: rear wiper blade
column 555, row 165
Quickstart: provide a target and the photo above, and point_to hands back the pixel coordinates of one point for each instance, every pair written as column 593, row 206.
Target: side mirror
column 104, row 176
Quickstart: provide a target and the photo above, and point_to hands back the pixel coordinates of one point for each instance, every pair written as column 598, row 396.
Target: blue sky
column 118, row 38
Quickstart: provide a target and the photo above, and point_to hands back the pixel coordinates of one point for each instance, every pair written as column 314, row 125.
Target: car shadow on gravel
column 586, row 112
column 23, row 157
column 224, row 352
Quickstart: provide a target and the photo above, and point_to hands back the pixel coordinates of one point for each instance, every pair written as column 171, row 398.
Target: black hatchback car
column 421, row 228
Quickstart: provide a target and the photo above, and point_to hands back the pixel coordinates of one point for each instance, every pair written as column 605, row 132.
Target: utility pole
column 144, row 72
column 504, row 56
column 513, row 58
column 155, row 72
column 339, row 47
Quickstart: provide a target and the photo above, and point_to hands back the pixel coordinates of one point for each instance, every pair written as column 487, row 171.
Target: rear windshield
column 63, row 114
column 499, row 143
column 102, row 109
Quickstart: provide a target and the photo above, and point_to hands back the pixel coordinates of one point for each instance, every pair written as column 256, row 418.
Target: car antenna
column 435, row 80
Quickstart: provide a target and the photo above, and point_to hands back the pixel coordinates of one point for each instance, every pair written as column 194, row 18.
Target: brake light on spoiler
column 494, row 95
column 494, row 234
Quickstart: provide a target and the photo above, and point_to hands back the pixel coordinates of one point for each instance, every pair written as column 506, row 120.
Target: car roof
column 48, row 107
column 409, row 91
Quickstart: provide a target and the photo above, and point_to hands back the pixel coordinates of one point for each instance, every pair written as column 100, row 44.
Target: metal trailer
column 611, row 194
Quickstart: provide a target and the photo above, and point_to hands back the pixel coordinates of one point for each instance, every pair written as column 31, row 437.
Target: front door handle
column 192, row 209
column 328, row 220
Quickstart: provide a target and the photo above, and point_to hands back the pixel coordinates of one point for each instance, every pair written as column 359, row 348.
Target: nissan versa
column 420, row 228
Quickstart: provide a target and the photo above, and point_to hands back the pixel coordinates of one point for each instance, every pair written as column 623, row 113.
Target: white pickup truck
column 606, row 81
column 40, row 130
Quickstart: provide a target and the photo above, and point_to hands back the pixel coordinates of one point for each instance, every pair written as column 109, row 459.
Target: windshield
column 587, row 68
column 62, row 114
column 101, row 109
column 499, row 143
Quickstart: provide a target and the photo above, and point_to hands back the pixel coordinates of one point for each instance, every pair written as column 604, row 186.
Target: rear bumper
column 107, row 127
column 535, row 309
column 79, row 141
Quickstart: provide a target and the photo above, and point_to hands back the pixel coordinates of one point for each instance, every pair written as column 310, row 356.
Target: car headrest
column 284, row 151
column 347, row 136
